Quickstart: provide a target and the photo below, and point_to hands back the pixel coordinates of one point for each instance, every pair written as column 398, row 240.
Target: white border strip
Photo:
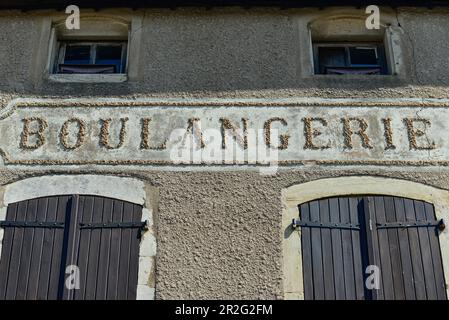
column 214, row 101
column 126, row 189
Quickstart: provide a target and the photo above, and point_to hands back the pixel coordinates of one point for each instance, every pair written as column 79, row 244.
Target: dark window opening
column 91, row 58
column 350, row 59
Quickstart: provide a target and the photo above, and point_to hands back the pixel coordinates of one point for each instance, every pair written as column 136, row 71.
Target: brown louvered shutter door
column 43, row 236
column 342, row 236
column 30, row 264
column 408, row 255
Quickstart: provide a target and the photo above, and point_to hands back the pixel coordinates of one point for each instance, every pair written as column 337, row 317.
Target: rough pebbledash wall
column 218, row 233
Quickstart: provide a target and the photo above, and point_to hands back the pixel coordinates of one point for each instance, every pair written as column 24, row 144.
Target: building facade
column 163, row 153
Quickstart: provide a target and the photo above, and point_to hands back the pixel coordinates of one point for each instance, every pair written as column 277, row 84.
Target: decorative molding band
column 218, row 102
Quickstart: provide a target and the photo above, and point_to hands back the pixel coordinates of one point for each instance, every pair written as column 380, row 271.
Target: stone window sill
column 89, row 78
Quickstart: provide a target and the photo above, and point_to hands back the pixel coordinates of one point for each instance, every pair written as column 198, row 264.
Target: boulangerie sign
column 225, row 132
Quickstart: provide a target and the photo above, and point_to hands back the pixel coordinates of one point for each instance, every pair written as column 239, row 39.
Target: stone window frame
column 392, row 40
column 293, row 288
column 121, row 188
column 47, row 51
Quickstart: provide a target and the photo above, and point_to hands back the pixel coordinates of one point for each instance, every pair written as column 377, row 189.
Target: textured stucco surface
column 218, row 232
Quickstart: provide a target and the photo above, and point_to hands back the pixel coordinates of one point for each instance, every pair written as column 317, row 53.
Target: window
column 91, row 58
column 354, row 58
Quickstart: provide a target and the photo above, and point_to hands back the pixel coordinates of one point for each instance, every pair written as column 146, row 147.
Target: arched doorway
column 359, row 187
column 71, row 247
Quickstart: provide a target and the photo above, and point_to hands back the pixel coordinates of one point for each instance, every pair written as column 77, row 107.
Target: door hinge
column 330, row 225
column 113, row 225
column 439, row 224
